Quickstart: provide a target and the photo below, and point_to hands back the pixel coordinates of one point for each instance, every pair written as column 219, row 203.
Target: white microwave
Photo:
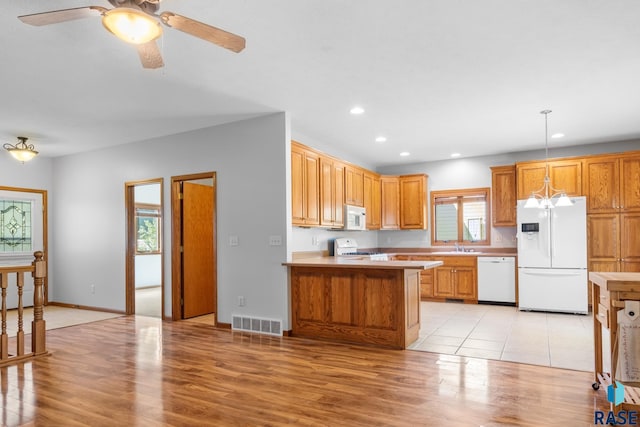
column 355, row 218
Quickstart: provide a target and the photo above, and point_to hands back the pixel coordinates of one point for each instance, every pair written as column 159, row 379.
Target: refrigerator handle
column 552, row 239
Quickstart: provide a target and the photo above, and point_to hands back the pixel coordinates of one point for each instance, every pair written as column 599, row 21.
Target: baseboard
column 222, row 325
column 84, row 307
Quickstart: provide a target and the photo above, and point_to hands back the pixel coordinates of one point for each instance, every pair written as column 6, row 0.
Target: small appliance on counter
column 349, row 247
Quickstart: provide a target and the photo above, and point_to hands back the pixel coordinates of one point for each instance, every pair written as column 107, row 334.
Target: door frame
column 176, row 239
column 45, row 231
column 130, row 257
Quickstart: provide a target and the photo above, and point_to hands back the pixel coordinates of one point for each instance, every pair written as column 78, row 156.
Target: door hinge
column 181, row 249
column 181, row 301
column 180, row 196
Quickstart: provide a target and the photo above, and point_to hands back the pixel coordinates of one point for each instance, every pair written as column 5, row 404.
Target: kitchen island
column 357, row 300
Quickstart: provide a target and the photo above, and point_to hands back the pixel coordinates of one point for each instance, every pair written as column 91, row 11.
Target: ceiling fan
column 137, row 22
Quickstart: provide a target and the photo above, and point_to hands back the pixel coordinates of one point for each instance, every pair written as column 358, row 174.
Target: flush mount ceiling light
column 357, row 110
column 21, row 151
column 454, row 155
column 543, row 198
column 405, row 154
column 557, row 135
column 381, row 139
column 131, row 25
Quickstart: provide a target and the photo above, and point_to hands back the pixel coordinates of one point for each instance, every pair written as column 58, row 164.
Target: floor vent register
column 254, row 324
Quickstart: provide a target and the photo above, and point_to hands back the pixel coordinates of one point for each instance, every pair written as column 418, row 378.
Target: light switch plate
column 275, row 240
column 233, row 241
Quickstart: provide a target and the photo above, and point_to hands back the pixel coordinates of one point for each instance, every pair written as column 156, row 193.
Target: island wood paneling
column 360, row 305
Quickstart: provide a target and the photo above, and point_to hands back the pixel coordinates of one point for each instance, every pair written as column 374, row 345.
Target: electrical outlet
column 314, row 241
column 241, row 301
column 275, row 240
column 233, row 241
column 498, row 237
column 93, row 289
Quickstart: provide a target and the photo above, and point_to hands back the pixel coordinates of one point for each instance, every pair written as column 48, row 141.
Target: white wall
column 250, row 160
column 148, row 270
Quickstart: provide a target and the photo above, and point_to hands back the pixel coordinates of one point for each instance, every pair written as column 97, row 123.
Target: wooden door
column 371, row 200
column 465, row 283
column 630, row 184
column 198, row 284
column 413, row 207
column 297, row 185
column 530, row 178
column 603, row 237
column 566, row 175
column 354, row 186
column 630, row 238
column 390, row 189
column 443, row 282
column 327, row 211
column 601, row 184
column 503, row 196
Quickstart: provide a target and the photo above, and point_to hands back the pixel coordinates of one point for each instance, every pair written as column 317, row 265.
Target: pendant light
column 543, row 198
column 21, row 151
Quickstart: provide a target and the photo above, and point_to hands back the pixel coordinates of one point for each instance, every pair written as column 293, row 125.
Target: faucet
column 457, row 247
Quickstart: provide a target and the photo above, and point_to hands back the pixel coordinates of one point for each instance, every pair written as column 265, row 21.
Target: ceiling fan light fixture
column 21, row 151
column 131, row 25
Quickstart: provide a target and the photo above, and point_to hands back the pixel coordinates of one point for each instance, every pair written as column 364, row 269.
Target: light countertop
column 357, row 262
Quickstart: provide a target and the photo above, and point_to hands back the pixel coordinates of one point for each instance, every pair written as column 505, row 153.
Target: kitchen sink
column 457, row 253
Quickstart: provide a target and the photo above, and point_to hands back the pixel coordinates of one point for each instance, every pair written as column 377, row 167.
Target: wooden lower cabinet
column 359, row 305
column 457, row 278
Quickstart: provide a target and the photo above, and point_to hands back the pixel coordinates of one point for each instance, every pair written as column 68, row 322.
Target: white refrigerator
column 552, row 258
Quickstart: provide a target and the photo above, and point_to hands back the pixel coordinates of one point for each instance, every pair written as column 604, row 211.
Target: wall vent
column 255, row 324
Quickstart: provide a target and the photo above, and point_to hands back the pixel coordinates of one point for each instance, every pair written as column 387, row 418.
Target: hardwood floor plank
column 145, row 372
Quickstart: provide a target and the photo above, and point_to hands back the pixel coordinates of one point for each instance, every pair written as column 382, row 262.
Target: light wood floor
column 142, row 371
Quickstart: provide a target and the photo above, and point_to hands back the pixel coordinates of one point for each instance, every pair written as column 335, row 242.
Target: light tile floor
column 505, row 333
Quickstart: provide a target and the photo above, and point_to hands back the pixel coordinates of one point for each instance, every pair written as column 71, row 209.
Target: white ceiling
column 434, row 76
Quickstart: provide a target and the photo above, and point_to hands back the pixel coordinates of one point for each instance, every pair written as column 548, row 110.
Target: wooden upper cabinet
column 372, row 202
column 331, row 192
column 603, row 241
column 354, row 186
column 305, row 186
column 390, row 190
column 601, row 184
column 503, row 196
column 612, row 183
column 565, row 175
column 630, row 242
column 630, row 183
column 413, row 202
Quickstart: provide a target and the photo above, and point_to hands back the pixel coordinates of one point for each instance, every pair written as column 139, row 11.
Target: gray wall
column 250, row 158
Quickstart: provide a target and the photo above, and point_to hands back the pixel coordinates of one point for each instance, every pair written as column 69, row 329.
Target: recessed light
column 405, row 154
column 454, row 155
column 557, row 135
column 381, row 139
column 357, row 110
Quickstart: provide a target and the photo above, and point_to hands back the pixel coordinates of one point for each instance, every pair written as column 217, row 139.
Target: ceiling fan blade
column 150, row 55
column 62, row 15
column 204, row 31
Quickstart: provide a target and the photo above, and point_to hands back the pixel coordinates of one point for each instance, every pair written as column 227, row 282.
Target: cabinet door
column 630, row 184
column 565, row 175
column 443, row 282
column 630, row 238
column 603, row 237
column 413, row 206
column 297, row 186
column 426, row 284
column 390, row 189
column 503, row 196
column 465, row 283
column 312, row 188
column 601, row 184
column 354, row 186
column 331, row 192
column 372, row 194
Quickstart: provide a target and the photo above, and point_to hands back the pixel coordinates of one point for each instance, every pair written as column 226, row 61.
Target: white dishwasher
column 497, row 280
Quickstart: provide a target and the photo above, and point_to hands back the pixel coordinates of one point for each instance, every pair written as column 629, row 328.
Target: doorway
column 193, row 247
column 144, row 258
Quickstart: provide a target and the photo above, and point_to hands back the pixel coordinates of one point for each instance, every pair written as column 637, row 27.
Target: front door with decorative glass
column 21, row 234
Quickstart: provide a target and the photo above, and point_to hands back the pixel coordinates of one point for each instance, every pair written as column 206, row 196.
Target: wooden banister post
column 4, row 338
column 38, row 326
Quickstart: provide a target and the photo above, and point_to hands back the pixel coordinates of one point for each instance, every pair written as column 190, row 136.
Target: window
column 460, row 216
column 15, row 226
column 148, row 229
